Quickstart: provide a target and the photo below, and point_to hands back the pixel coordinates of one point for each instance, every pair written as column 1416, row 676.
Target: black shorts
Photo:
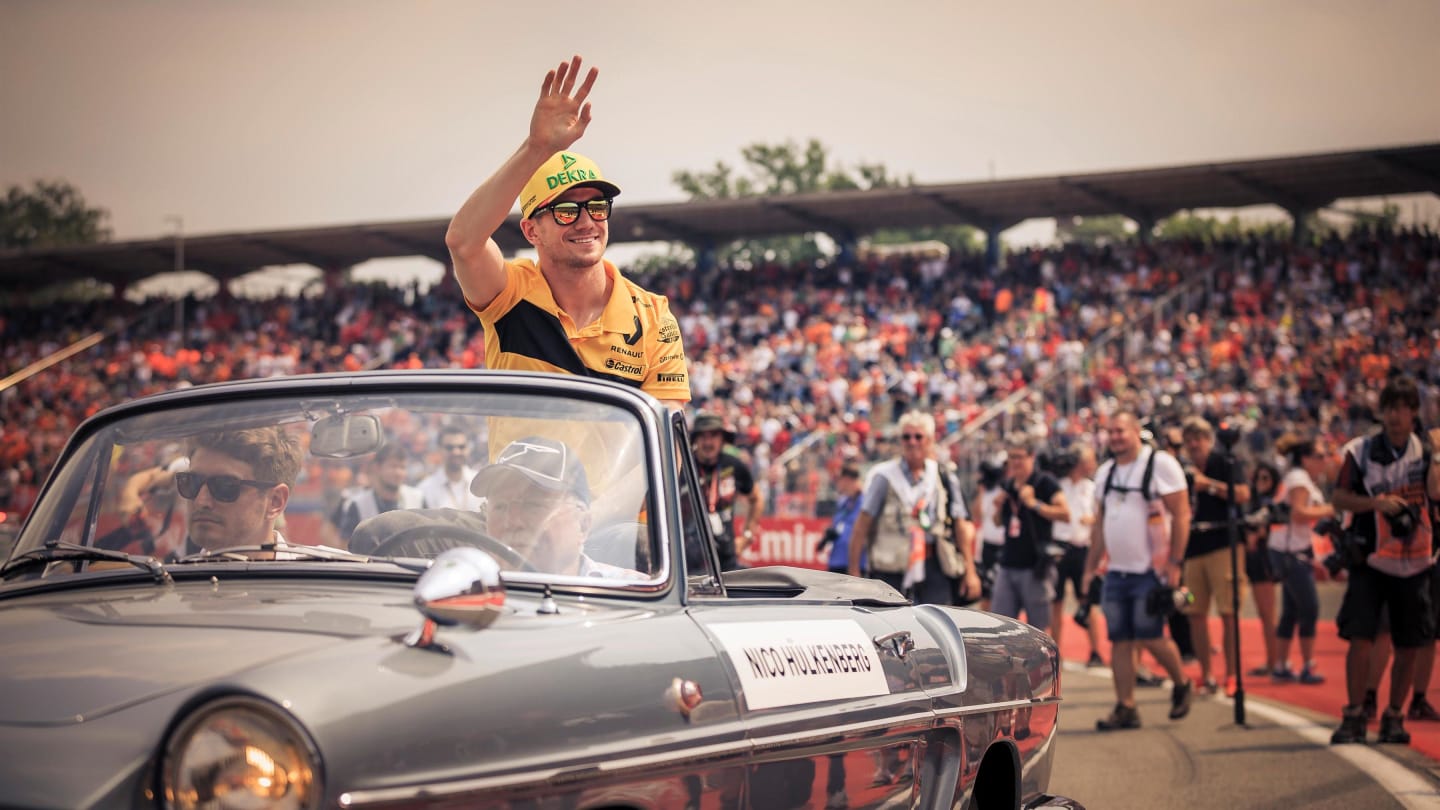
column 1070, row 568
column 1257, row 566
column 1412, row 616
column 989, row 561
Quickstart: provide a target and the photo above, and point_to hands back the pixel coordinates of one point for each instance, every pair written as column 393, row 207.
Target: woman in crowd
column 1264, row 483
column 1292, row 555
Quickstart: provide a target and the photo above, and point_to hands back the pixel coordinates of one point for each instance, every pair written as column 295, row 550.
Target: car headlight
column 239, row 753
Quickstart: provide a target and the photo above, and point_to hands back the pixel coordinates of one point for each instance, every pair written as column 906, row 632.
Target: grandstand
column 813, row 364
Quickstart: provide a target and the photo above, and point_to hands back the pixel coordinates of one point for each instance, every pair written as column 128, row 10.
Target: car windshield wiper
column 288, row 551
column 56, row 551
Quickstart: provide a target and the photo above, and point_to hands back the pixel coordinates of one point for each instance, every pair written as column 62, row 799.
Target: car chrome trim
column 449, row 791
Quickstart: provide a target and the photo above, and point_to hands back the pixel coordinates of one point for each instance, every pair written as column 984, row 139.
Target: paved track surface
column 1279, row 757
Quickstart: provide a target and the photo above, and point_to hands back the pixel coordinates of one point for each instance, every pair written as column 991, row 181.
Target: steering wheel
column 430, row 539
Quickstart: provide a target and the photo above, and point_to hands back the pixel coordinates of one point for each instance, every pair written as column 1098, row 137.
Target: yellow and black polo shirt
column 636, row 341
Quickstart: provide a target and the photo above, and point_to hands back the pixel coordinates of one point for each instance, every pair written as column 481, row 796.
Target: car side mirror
column 346, row 435
column 462, row 586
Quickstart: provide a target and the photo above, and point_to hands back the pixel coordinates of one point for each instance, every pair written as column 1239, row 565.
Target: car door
column 832, row 696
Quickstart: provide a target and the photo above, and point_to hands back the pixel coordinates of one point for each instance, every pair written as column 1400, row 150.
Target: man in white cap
column 570, row 310
column 538, row 503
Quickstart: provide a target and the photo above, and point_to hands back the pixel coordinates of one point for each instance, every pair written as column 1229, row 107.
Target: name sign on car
column 789, row 663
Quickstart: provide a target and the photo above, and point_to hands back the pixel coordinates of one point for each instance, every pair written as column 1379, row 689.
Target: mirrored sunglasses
column 565, row 213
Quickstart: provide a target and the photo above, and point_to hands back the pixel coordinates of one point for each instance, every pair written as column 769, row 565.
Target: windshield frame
column 98, row 438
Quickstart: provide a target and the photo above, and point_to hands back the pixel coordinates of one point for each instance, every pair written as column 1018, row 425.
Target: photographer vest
column 905, row 505
column 1382, row 471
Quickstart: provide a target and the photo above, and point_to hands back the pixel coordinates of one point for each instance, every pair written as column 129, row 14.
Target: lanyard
column 714, row 488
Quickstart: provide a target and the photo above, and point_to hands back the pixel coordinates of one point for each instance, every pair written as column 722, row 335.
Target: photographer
column 1142, row 523
column 1299, row 506
column 991, row 532
column 908, row 517
column 1208, row 572
column 1029, row 505
column 1389, row 481
column 1264, row 487
column 847, row 508
column 1072, row 536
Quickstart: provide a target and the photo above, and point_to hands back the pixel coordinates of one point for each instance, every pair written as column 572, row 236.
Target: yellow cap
column 562, row 172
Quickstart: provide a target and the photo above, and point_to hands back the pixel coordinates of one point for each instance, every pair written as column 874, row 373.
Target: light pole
column 179, row 222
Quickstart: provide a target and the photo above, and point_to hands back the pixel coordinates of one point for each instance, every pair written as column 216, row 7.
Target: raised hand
column 562, row 113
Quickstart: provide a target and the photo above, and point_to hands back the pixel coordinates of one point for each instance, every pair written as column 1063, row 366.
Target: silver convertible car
column 468, row 589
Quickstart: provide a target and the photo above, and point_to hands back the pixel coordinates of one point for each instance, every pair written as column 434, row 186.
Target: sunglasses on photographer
column 565, row 213
column 223, row 488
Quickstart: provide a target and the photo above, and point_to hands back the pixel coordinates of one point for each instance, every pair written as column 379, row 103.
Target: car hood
column 81, row 653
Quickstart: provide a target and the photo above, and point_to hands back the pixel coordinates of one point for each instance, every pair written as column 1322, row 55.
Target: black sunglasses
column 565, row 213
column 224, row 488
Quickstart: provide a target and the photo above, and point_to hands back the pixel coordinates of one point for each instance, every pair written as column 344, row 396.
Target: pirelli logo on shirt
column 670, row 378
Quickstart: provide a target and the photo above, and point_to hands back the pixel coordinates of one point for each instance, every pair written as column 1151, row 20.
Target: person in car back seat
column 538, row 503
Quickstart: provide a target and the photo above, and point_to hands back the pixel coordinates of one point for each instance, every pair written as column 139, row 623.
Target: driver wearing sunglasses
column 237, row 485
column 569, row 310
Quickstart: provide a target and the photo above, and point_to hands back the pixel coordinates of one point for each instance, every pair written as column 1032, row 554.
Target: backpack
column 1144, row 487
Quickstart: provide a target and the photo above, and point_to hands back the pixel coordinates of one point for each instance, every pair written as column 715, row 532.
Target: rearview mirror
column 346, row 435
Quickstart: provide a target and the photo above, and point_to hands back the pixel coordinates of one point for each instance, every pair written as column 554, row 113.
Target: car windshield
column 555, row 487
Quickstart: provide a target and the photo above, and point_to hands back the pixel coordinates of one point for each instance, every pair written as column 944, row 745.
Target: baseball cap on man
column 562, row 172
column 546, row 463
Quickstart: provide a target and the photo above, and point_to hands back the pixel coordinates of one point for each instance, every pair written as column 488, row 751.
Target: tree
column 1102, row 230
column 50, row 214
column 775, row 169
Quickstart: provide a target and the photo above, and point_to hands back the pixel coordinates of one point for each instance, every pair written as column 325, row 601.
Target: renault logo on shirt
column 628, row 352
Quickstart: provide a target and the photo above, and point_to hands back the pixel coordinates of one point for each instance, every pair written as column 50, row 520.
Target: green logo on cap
column 566, row 161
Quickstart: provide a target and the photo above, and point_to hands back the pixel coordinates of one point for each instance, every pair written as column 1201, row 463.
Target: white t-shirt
column 990, row 533
column 1127, row 539
column 437, row 491
column 1295, row 535
column 1080, row 495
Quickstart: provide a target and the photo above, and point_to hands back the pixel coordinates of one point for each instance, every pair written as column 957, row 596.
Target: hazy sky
column 250, row 115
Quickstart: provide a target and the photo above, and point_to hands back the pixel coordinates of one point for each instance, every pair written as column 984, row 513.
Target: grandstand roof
column 1296, row 183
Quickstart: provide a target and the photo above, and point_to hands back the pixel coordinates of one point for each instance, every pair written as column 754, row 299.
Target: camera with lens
column 1060, row 463
column 828, row 538
column 1092, row 599
column 1404, row 523
column 1350, row 551
column 1165, row 600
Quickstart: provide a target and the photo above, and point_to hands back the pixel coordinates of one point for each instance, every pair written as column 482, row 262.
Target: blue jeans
column 1124, row 606
column 1299, row 600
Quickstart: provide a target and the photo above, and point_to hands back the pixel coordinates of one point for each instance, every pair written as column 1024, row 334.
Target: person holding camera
column 1264, row 489
column 908, row 515
column 1389, row 481
column 847, row 509
column 1208, row 571
column 1142, row 524
column 1073, row 538
column 991, row 533
column 1299, row 505
column 1029, row 504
